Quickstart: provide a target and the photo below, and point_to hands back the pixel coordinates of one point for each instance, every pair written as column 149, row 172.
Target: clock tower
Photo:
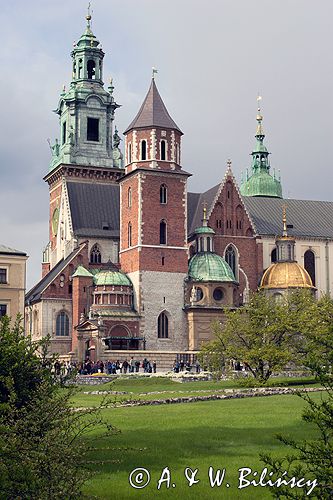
column 153, row 223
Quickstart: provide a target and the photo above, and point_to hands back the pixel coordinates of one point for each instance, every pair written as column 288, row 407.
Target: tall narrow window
column 143, row 150
column 63, row 133
column 80, row 69
column 163, row 150
column 163, row 232
column 163, row 326
column 231, row 258
column 91, row 69
column 208, row 245
column 62, row 325
column 310, row 265
column 92, row 129
column 95, row 255
column 177, row 154
column 163, row 194
column 129, row 197
column 273, row 255
column 3, row 276
column 129, row 153
column 129, row 234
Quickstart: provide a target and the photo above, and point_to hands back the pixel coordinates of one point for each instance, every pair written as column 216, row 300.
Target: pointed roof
column 153, row 112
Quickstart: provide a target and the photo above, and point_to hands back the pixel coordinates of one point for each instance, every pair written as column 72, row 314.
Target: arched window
column 143, row 150
column 129, row 153
column 163, row 150
column 62, row 325
column 129, row 197
column 163, row 232
column 310, row 265
column 95, row 255
column 208, row 244
column 231, row 258
column 273, row 255
column 163, row 326
column 91, row 67
column 129, row 234
column 163, row 194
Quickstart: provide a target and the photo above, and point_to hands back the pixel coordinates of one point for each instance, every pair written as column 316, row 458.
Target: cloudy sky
column 213, row 58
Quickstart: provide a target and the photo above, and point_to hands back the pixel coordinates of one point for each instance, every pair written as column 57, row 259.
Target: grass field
column 224, row 434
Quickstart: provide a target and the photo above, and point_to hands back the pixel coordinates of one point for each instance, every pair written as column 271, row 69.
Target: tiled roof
column 311, row 219
column 35, row 293
column 153, row 112
column 10, row 251
column 195, row 203
column 94, row 209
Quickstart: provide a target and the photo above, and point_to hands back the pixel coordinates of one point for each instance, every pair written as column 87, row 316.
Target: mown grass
column 224, row 434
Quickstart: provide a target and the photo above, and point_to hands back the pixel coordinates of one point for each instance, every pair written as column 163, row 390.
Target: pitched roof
column 195, row 206
column 35, row 293
column 94, row 209
column 10, row 251
column 153, row 112
column 311, row 219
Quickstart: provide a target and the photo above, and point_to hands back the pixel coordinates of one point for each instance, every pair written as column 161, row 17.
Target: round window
column 218, row 294
column 199, row 294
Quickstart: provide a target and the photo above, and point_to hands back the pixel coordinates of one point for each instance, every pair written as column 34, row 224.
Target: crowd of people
column 116, row 367
column 181, row 365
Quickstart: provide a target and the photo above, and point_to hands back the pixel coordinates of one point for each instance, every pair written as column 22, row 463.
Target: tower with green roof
column 86, row 110
column 260, row 181
column 210, row 287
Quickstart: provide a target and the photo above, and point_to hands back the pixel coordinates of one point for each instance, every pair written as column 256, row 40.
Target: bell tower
column 88, row 148
column 153, row 221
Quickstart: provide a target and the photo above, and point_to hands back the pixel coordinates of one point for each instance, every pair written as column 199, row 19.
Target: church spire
column 261, row 182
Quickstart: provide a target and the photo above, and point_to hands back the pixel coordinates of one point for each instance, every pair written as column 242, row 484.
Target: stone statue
column 55, row 149
column 71, row 136
column 193, row 295
column 116, row 139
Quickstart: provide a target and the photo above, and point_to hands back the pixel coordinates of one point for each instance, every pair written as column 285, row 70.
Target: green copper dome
column 207, row 266
column 261, row 183
column 112, row 278
column 204, row 230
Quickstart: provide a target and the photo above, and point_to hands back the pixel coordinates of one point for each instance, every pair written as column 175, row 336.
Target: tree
column 313, row 458
column 42, row 453
column 265, row 335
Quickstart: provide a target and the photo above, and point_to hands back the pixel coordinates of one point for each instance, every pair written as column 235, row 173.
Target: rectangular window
column 64, row 133
column 92, row 129
column 3, row 310
column 3, row 275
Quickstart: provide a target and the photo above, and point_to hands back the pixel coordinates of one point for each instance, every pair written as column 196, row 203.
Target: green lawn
column 224, row 434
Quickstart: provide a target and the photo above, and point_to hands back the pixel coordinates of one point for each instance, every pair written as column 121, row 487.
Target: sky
column 213, row 59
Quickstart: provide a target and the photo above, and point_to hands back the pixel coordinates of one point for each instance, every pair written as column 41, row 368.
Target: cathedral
column 137, row 264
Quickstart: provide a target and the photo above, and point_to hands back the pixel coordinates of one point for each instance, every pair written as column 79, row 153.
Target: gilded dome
column 286, row 275
column 208, row 266
column 112, row 278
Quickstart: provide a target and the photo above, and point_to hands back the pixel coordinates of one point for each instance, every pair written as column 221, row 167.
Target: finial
column 204, row 219
column 284, row 219
column 260, row 130
column 154, row 71
column 229, row 163
column 88, row 16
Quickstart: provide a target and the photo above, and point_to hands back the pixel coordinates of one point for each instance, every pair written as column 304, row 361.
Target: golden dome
column 286, row 275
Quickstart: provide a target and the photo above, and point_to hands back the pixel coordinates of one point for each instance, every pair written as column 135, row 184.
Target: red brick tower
column 153, row 222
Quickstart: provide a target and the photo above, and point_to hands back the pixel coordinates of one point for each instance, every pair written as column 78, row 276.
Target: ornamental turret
column 260, row 182
column 86, row 110
column 285, row 274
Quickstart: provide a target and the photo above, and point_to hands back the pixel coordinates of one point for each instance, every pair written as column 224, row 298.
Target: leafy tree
column 313, row 458
column 265, row 335
column 41, row 451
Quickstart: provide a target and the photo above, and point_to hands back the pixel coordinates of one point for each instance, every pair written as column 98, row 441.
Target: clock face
column 55, row 220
